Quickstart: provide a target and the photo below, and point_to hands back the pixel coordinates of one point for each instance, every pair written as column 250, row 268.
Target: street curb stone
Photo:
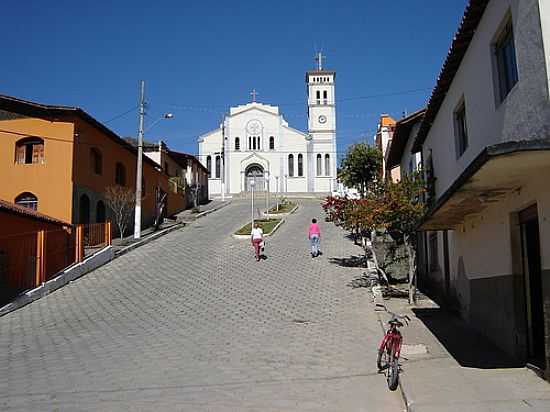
column 148, row 239
column 244, row 237
column 62, row 278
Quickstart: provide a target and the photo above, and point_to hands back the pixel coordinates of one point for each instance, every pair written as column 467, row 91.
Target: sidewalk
column 189, row 215
column 448, row 367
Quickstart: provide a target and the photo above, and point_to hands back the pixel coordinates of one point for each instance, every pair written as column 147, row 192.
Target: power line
column 118, row 116
column 207, row 108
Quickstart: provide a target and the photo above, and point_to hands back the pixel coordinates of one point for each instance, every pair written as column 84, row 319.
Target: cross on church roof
column 254, row 93
column 319, row 59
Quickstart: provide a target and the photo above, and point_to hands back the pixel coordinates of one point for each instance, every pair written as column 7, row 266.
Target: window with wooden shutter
column 29, row 150
column 20, row 154
column 38, row 153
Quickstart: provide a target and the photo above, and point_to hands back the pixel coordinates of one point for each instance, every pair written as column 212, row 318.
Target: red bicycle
column 390, row 349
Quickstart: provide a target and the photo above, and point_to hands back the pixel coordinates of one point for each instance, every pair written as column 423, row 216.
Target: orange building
column 59, row 161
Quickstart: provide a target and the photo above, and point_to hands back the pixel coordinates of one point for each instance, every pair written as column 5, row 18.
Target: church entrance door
column 255, row 173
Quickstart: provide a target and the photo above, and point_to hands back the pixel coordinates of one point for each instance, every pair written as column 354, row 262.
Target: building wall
column 490, row 122
column 410, row 161
column 544, row 11
column 50, row 182
column 94, row 185
column 484, row 265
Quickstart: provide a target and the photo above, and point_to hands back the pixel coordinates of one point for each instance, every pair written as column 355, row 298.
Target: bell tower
column 321, row 106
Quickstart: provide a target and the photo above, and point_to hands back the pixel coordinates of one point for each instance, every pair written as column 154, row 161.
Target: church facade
column 255, row 148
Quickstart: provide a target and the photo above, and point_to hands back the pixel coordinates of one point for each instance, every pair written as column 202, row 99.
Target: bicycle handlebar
column 395, row 317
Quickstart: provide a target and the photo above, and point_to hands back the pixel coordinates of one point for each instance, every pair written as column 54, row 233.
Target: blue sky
column 200, row 57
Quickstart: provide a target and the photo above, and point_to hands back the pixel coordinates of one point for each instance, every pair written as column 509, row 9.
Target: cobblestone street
column 192, row 322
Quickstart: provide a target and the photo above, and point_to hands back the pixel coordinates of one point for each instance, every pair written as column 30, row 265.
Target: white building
column 485, row 146
column 254, row 143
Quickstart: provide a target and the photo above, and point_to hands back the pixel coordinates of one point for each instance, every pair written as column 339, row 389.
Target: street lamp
column 139, row 168
column 277, row 191
column 252, row 184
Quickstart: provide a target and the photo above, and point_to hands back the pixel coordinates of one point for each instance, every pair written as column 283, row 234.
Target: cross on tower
column 254, row 93
column 319, row 59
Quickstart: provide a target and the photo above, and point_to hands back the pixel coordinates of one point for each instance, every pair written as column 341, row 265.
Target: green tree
column 360, row 167
column 402, row 210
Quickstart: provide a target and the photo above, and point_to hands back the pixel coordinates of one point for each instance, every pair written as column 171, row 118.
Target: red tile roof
column 26, row 107
column 463, row 37
column 29, row 213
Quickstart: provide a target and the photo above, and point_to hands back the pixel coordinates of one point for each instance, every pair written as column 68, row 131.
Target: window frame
column 460, row 121
column 237, row 144
column 27, row 146
column 300, row 165
column 505, row 65
column 319, row 165
column 271, row 143
column 120, row 174
column 96, row 160
column 21, row 201
column 218, row 166
column 209, row 165
column 291, row 165
column 327, row 164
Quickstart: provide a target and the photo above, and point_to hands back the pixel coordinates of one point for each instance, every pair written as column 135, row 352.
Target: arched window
column 120, row 174
column 100, row 212
column 291, row 165
column 96, row 161
column 249, row 142
column 218, row 166
column 319, row 165
column 325, row 96
column 271, row 143
column 84, row 210
column 318, row 95
column 209, row 165
column 27, row 200
column 327, row 165
column 300, row 165
column 237, row 143
column 29, row 150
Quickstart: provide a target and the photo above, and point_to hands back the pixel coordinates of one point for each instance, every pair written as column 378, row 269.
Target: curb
column 193, row 217
column 244, row 237
column 207, row 212
column 408, row 405
column 148, row 239
column 282, row 214
column 62, row 278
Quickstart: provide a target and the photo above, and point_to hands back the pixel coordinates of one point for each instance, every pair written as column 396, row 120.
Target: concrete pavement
column 460, row 370
column 192, row 322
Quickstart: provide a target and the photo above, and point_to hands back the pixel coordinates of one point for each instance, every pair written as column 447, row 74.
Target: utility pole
column 223, row 160
column 139, row 171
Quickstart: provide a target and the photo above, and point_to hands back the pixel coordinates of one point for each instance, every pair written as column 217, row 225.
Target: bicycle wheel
column 379, row 361
column 393, row 371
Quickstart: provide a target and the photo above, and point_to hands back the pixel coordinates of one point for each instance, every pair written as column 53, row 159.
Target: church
column 255, row 148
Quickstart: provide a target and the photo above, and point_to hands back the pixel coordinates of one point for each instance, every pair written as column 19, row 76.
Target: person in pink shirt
column 314, row 236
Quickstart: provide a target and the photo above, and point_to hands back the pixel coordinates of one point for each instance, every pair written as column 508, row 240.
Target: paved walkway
column 192, row 322
column 459, row 370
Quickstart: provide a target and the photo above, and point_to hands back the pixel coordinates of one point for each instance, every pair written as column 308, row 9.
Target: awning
column 497, row 171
